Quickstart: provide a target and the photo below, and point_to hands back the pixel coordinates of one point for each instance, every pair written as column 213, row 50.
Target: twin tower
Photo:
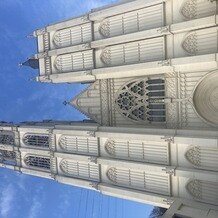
column 152, row 66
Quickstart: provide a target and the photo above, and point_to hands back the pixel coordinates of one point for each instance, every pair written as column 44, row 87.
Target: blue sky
column 24, row 196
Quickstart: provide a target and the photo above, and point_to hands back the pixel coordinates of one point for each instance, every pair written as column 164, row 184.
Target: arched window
column 142, row 100
column 83, row 145
column 36, row 140
column 203, row 157
column 7, row 139
column 37, row 161
column 77, row 169
column 8, row 157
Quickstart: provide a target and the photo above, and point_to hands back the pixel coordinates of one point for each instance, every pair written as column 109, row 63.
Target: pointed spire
column 66, row 103
column 31, row 62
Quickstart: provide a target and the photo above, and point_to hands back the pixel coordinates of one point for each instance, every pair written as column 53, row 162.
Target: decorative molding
column 104, row 95
column 171, row 92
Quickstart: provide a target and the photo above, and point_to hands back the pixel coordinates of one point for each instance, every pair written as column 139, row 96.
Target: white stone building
column 152, row 66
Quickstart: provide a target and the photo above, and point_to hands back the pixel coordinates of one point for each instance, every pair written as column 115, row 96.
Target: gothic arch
column 142, row 100
column 190, row 43
column 201, row 42
column 38, row 140
column 77, row 169
column 192, row 9
column 205, row 98
column 203, row 157
column 37, row 161
column 136, row 150
column 138, row 179
column 76, row 144
column 76, row 61
column 72, row 36
column 203, row 191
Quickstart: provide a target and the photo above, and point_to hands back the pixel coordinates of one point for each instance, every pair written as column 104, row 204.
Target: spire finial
column 66, row 103
column 31, row 62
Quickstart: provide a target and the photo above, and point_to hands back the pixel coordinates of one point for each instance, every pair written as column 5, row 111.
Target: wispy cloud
column 35, row 208
column 6, row 199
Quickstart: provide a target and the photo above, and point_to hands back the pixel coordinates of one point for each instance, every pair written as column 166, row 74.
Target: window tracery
column 36, row 140
column 8, row 157
column 142, row 100
column 7, row 139
column 37, row 161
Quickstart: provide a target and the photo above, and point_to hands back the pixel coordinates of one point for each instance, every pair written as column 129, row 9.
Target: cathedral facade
column 152, row 66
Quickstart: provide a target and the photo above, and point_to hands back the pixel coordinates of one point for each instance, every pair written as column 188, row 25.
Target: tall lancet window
column 37, row 161
column 6, row 139
column 142, row 100
column 8, row 157
column 36, row 140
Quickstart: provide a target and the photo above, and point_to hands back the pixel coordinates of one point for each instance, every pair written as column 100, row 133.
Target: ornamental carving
column 142, row 100
column 190, row 44
column 193, row 156
column 104, row 28
column 203, row 191
column 189, row 9
column 110, row 147
column 112, row 174
column 106, row 56
column 194, row 187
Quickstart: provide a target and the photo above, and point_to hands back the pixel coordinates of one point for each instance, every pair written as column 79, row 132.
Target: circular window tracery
column 205, row 98
column 142, row 100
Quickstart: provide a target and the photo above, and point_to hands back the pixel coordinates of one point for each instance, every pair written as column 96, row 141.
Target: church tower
column 149, row 63
column 156, row 167
column 152, row 69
